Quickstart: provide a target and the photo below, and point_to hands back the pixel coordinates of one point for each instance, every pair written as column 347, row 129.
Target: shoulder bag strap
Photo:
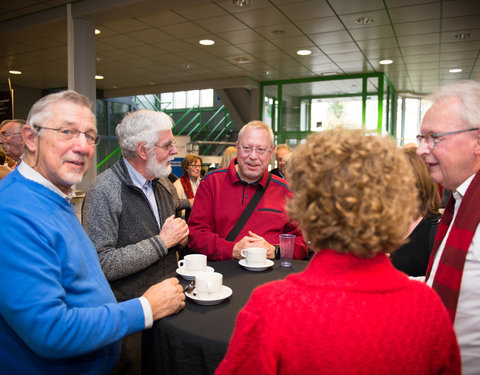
column 248, row 211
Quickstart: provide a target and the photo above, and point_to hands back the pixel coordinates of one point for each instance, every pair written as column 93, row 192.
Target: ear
column 30, row 138
column 142, row 151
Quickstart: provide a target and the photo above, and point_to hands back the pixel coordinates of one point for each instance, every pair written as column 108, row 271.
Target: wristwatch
column 277, row 251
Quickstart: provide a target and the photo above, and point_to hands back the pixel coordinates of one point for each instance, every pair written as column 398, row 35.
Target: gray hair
column 41, row 110
column 141, row 126
column 256, row 125
column 284, row 145
column 16, row 121
column 469, row 93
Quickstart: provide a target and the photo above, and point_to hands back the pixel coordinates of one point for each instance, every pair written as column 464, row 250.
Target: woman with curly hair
column 350, row 311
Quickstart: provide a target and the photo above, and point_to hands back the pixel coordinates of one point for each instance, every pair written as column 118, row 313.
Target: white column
column 81, row 70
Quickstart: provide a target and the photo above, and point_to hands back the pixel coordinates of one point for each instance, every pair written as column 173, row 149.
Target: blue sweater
column 58, row 314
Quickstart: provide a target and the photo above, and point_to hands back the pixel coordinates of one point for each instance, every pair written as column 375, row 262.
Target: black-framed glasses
column 4, row 135
column 432, row 139
column 169, row 147
column 259, row 150
column 69, row 134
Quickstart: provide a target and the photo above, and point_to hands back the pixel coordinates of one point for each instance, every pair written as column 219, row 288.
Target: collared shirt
column 467, row 318
column 146, row 187
column 31, row 174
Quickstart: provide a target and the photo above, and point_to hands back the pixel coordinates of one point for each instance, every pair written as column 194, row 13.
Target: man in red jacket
column 225, row 193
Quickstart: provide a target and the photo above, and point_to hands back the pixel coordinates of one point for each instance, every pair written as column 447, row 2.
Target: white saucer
column 226, row 292
column 263, row 267
column 191, row 276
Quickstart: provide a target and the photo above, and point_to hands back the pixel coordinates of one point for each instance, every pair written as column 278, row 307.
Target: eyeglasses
column 259, row 150
column 169, row 147
column 4, row 135
column 69, row 134
column 433, row 138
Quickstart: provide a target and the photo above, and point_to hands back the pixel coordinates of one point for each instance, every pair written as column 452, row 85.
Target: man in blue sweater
column 58, row 314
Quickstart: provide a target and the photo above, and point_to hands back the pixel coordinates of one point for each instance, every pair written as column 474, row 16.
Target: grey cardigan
column 121, row 224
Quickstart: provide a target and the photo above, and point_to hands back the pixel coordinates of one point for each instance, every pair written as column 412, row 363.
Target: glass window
column 179, row 100
column 166, row 100
column 193, row 98
column 206, row 98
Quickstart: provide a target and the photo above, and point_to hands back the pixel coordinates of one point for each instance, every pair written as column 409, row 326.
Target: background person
column 350, row 311
column 280, row 153
column 412, row 257
column 11, row 140
column 228, row 155
column 224, row 194
column 187, row 184
column 4, row 170
column 449, row 142
column 58, row 314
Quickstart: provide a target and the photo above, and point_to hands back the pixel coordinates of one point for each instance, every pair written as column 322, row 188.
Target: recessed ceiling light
column 241, row 3
column 97, row 31
column 206, row 42
column 242, row 60
column 15, row 72
column 462, row 36
column 365, row 20
column 98, row 77
column 329, row 74
column 304, row 52
column 385, row 62
column 456, row 70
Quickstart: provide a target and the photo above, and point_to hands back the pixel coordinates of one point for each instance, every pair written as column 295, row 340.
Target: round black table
column 196, row 340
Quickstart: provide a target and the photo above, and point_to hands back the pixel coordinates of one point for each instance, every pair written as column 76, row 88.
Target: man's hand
column 252, row 240
column 165, row 298
column 174, row 231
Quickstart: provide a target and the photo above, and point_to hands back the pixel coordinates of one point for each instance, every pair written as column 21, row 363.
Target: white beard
column 158, row 170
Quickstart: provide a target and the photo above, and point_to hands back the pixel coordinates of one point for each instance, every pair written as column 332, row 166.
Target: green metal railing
column 189, row 123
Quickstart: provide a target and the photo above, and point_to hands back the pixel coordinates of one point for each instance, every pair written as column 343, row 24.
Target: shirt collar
column 462, row 189
column 31, row 174
column 137, row 179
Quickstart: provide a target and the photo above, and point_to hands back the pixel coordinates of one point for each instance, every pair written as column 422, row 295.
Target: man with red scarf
column 449, row 142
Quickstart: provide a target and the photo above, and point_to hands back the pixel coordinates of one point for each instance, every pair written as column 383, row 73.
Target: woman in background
column 188, row 183
column 412, row 257
column 228, row 155
column 350, row 311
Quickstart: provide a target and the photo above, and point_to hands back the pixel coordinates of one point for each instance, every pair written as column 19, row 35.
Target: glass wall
column 298, row 107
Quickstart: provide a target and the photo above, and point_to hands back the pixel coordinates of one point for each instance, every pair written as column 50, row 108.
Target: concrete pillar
column 81, row 70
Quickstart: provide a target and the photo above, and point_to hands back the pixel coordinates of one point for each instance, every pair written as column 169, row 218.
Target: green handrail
column 183, row 116
column 207, row 123
column 109, row 156
column 189, row 123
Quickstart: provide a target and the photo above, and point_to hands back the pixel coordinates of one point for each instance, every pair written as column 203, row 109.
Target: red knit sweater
column 343, row 315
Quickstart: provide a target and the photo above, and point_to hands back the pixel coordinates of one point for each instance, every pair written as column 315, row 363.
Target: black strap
column 248, row 211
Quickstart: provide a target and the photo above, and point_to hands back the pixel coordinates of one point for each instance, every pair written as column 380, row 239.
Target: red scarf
column 449, row 273
column 187, row 186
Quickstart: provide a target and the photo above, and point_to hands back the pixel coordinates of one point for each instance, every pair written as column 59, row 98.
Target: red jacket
column 220, row 200
column 343, row 315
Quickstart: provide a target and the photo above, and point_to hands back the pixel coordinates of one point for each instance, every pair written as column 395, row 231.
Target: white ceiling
column 154, row 43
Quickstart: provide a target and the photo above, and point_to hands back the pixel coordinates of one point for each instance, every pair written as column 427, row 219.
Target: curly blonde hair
column 352, row 192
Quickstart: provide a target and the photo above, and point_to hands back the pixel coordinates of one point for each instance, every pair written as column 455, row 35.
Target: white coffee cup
column 256, row 256
column 209, row 285
column 193, row 263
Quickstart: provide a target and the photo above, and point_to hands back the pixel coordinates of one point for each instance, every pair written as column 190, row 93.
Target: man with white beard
column 129, row 214
column 129, row 210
